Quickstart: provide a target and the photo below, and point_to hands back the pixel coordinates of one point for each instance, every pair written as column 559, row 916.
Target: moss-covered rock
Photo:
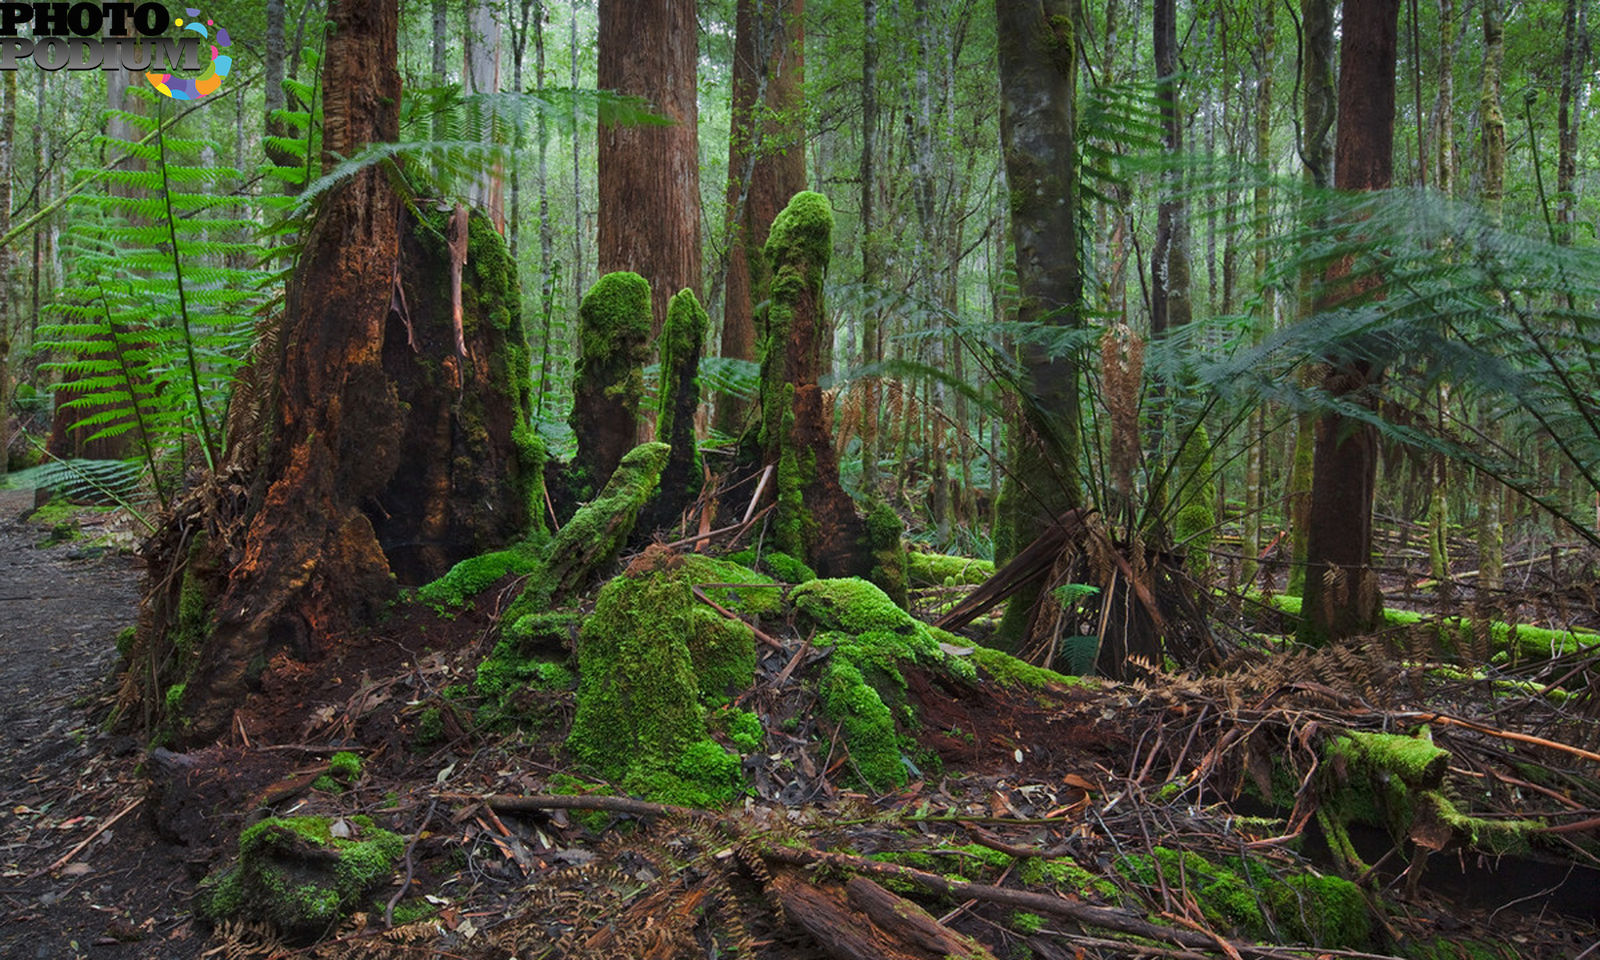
column 301, row 874
column 639, row 719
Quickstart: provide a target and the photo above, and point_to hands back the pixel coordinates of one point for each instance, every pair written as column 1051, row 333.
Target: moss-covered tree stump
column 613, row 339
column 642, row 658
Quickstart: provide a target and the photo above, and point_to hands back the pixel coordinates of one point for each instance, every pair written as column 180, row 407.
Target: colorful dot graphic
column 183, row 88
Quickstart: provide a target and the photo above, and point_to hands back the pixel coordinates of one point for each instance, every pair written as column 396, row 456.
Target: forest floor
column 1047, row 792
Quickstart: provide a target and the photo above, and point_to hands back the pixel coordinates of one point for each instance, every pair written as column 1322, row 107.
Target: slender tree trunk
column 1491, row 527
column 1574, row 64
column 923, row 177
column 1316, row 152
column 1341, row 596
column 1444, row 111
column 1254, row 500
column 441, row 54
column 650, row 175
column 272, row 79
column 481, row 75
column 766, row 165
column 579, row 224
column 8, row 131
column 1038, row 79
column 1170, row 306
column 871, row 255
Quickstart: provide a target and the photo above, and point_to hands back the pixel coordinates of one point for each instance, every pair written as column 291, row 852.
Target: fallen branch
column 64, row 858
column 764, row 638
column 1448, row 721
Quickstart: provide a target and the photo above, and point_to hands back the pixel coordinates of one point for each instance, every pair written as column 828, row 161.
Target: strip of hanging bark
column 1031, row 563
column 458, row 261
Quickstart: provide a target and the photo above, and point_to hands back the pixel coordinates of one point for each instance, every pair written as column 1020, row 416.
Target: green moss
column 1064, row 873
column 326, row 784
column 293, row 873
column 723, row 652
column 174, row 699
column 565, row 784
column 938, row 569
column 1194, row 528
column 429, row 729
column 472, row 576
column 1326, row 911
column 615, row 312
column 743, row 728
column 777, row 563
column 763, row 596
column 1009, row 671
column 866, row 723
column 884, row 532
column 679, row 346
column 1027, row 923
column 125, row 638
column 413, row 910
column 639, row 719
column 595, row 533
column 345, row 766
column 614, row 324
column 1456, row 633
column 852, row 605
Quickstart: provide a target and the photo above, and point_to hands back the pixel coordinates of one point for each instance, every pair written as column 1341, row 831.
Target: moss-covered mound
column 301, row 874
column 649, row 658
column 938, row 569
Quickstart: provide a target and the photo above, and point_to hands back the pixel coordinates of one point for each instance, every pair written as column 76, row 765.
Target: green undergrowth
column 299, row 875
column 1253, row 899
column 1457, row 634
column 529, row 658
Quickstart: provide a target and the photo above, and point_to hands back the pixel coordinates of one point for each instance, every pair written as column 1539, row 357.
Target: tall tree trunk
column 1574, row 65
column 481, row 75
column 1491, row 527
column 650, row 175
column 1341, row 596
column 1316, row 153
column 273, row 96
column 927, row 266
column 1254, row 501
column 871, row 256
column 8, row 131
column 1038, row 79
column 1170, row 306
column 1444, row 111
column 766, row 165
column 441, row 58
column 579, row 225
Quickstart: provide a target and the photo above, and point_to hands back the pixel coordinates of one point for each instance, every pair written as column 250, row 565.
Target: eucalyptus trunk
column 1341, row 595
column 1038, row 81
column 1491, row 523
column 481, row 75
column 766, row 166
column 1574, row 65
column 1254, row 501
column 1319, row 105
column 871, row 256
column 650, row 174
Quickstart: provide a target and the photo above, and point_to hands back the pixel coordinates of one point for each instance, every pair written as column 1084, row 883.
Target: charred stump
column 815, row 518
column 613, row 338
column 381, row 431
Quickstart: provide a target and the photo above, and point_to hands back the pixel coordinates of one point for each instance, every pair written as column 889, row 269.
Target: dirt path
column 61, row 607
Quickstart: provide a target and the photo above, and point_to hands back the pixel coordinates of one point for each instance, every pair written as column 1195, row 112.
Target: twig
column 388, row 910
column 62, row 861
column 764, row 638
column 1449, row 721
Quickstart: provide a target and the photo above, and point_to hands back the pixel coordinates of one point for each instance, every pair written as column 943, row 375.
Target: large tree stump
column 815, row 518
column 613, row 335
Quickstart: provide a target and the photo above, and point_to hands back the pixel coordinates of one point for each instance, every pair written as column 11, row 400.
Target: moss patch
column 296, row 874
column 639, row 720
column 761, row 595
column 938, row 569
column 776, row 563
column 472, row 576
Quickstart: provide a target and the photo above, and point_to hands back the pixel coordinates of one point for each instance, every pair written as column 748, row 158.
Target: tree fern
column 141, row 350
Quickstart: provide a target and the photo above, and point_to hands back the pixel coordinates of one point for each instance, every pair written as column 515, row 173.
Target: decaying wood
column 1031, row 563
column 867, row 922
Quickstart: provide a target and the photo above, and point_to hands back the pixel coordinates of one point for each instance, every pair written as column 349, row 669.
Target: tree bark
column 273, row 96
column 1341, row 596
column 1038, row 78
column 766, row 165
column 481, row 75
column 650, row 175
column 8, row 131
column 1255, row 465
column 871, row 256
column 1316, row 153
column 1491, row 526
column 1574, row 64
